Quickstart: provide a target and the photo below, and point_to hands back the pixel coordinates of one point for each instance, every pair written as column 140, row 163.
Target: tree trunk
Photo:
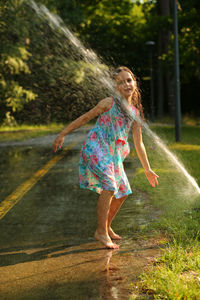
column 165, row 94
column 160, row 87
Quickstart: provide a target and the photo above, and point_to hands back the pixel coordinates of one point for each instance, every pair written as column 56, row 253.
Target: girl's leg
column 103, row 208
column 114, row 208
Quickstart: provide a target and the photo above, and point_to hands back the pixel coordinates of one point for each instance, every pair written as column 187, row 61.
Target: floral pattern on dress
column 103, row 152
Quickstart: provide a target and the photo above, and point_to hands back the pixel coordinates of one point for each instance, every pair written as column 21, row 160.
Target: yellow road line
column 13, row 198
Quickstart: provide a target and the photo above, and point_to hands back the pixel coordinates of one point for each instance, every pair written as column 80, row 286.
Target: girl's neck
column 129, row 100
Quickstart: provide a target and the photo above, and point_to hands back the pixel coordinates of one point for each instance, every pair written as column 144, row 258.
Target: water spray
column 105, row 79
column 171, row 157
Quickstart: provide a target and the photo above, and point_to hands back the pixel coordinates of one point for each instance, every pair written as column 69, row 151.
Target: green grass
column 176, row 273
column 187, row 119
column 24, row 132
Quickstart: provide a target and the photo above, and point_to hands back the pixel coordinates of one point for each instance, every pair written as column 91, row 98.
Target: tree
column 160, row 22
column 39, row 61
column 13, row 58
column 163, row 41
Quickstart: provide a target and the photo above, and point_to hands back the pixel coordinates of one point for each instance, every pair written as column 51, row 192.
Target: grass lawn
column 25, row 132
column 176, row 273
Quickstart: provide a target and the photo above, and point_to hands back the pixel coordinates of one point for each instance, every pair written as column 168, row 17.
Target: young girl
column 106, row 146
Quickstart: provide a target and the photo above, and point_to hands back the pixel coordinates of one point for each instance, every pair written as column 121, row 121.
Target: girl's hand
column 152, row 177
column 58, row 142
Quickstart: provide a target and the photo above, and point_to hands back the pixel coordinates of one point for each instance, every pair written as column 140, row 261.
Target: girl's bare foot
column 105, row 240
column 113, row 235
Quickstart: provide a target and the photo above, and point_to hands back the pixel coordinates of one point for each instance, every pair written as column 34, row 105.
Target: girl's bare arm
column 141, row 152
column 101, row 107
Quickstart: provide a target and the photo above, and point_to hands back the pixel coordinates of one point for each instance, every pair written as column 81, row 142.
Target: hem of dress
column 124, row 194
column 94, row 190
column 86, row 188
column 99, row 192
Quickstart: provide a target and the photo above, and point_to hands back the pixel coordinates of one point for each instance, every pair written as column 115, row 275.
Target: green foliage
column 16, row 96
column 189, row 39
column 14, row 58
column 39, row 63
column 9, row 120
column 118, row 26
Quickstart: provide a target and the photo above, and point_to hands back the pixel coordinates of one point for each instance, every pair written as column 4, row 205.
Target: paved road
column 47, row 250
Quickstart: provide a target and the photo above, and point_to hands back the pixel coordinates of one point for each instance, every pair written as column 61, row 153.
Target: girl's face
column 126, row 85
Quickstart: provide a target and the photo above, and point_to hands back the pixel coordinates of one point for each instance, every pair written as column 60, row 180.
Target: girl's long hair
column 136, row 98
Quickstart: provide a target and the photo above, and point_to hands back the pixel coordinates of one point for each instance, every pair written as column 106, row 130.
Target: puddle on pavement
column 46, row 242
column 82, row 272
column 18, row 164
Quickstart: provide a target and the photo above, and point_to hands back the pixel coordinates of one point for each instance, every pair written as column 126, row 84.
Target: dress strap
column 110, row 107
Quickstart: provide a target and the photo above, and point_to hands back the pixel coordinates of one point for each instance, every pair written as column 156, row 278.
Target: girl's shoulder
column 106, row 103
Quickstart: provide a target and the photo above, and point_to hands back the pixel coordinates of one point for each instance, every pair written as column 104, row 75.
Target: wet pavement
column 47, row 249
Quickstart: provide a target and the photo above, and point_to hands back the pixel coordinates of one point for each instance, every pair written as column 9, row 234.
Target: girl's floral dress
column 103, row 152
